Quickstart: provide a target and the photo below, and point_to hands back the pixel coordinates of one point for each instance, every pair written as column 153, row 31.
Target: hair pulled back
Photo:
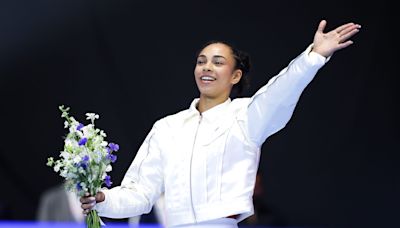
column 242, row 62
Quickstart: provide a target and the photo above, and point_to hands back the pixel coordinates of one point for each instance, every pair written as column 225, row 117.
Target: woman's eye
column 200, row 62
column 218, row 63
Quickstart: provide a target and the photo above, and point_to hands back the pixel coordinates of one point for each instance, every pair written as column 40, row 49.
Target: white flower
column 64, row 173
column 66, row 124
column 77, row 159
column 57, row 167
column 72, row 128
column 98, row 157
column 50, row 161
column 88, row 131
column 71, row 176
column 108, row 168
column 92, row 116
column 65, row 155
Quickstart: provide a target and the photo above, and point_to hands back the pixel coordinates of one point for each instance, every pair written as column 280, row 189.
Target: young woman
column 205, row 159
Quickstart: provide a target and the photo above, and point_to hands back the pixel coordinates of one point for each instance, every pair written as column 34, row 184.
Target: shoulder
column 239, row 104
column 172, row 119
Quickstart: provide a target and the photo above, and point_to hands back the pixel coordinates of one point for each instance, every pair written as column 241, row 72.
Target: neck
column 206, row 103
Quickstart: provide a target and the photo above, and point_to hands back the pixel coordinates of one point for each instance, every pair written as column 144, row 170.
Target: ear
column 236, row 76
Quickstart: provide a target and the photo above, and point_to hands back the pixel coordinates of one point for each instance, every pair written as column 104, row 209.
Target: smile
column 207, row 78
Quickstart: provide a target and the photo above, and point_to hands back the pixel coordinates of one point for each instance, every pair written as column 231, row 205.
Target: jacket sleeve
column 272, row 106
column 141, row 186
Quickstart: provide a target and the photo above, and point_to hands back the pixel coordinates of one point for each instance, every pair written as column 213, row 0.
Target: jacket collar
column 211, row 114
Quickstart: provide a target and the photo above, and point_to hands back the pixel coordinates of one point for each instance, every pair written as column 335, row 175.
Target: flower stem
column 93, row 220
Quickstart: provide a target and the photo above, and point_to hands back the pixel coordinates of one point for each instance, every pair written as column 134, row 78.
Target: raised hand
column 326, row 44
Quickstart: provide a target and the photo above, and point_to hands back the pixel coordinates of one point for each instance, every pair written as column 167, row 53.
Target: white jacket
column 206, row 163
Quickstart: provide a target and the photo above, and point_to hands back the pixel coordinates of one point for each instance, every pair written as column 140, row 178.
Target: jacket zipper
column 190, row 170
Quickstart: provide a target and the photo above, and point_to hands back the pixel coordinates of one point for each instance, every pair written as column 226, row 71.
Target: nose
column 206, row 67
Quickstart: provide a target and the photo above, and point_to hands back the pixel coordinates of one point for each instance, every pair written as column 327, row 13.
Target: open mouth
column 207, row 78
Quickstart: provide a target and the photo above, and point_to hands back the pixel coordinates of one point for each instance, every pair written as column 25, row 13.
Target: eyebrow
column 215, row 56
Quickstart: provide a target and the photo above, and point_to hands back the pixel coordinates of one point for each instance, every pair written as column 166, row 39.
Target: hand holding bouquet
column 85, row 160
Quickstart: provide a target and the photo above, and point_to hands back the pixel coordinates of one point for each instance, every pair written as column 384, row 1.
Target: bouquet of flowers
column 85, row 160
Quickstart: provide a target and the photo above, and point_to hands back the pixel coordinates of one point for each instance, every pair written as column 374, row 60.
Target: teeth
column 207, row 78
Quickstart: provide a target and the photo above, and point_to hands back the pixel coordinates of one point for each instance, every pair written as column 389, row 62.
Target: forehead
column 217, row 49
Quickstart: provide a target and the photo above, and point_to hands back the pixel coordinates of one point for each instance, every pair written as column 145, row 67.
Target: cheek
column 225, row 74
column 197, row 71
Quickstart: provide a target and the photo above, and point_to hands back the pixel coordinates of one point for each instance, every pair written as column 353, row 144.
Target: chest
column 203, row 143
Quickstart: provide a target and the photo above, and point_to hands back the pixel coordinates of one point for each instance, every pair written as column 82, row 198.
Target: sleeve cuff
column 314, row 58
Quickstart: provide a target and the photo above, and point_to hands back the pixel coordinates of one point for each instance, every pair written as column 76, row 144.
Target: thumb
column 100, row 197
column 321, row 26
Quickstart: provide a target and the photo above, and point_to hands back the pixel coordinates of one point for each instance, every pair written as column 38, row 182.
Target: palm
column 327, row 43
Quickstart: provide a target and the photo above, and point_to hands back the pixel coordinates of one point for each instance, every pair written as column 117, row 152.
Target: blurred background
column 335, row 164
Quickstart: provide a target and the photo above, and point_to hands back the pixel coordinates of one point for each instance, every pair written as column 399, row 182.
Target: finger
column 88, row 205
column 345, row 44
column 87, row 199
column 349, row 29
column 348, row 35
column 341, row 28
column 98, row 196
column 321, row 26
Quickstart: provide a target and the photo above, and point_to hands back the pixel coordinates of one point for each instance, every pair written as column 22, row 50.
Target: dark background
column 336, row 162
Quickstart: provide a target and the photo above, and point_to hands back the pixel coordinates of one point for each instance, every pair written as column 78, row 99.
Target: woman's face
column 214, row 72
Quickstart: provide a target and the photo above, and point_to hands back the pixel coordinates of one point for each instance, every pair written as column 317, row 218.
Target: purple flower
column 78, row 187
column 85, row 158
column 113, row 146
column 85, row 161
column 111, row 157
column 80, row 126
column 107, row 180
column 82, row 141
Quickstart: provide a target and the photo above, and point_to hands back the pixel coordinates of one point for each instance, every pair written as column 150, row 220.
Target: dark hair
column 242, row 62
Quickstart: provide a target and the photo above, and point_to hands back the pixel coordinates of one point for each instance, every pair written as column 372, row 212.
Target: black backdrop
column 336, row 162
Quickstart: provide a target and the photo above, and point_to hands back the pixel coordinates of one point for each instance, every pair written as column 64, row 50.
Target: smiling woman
column 220, row 67
column 205, row 159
